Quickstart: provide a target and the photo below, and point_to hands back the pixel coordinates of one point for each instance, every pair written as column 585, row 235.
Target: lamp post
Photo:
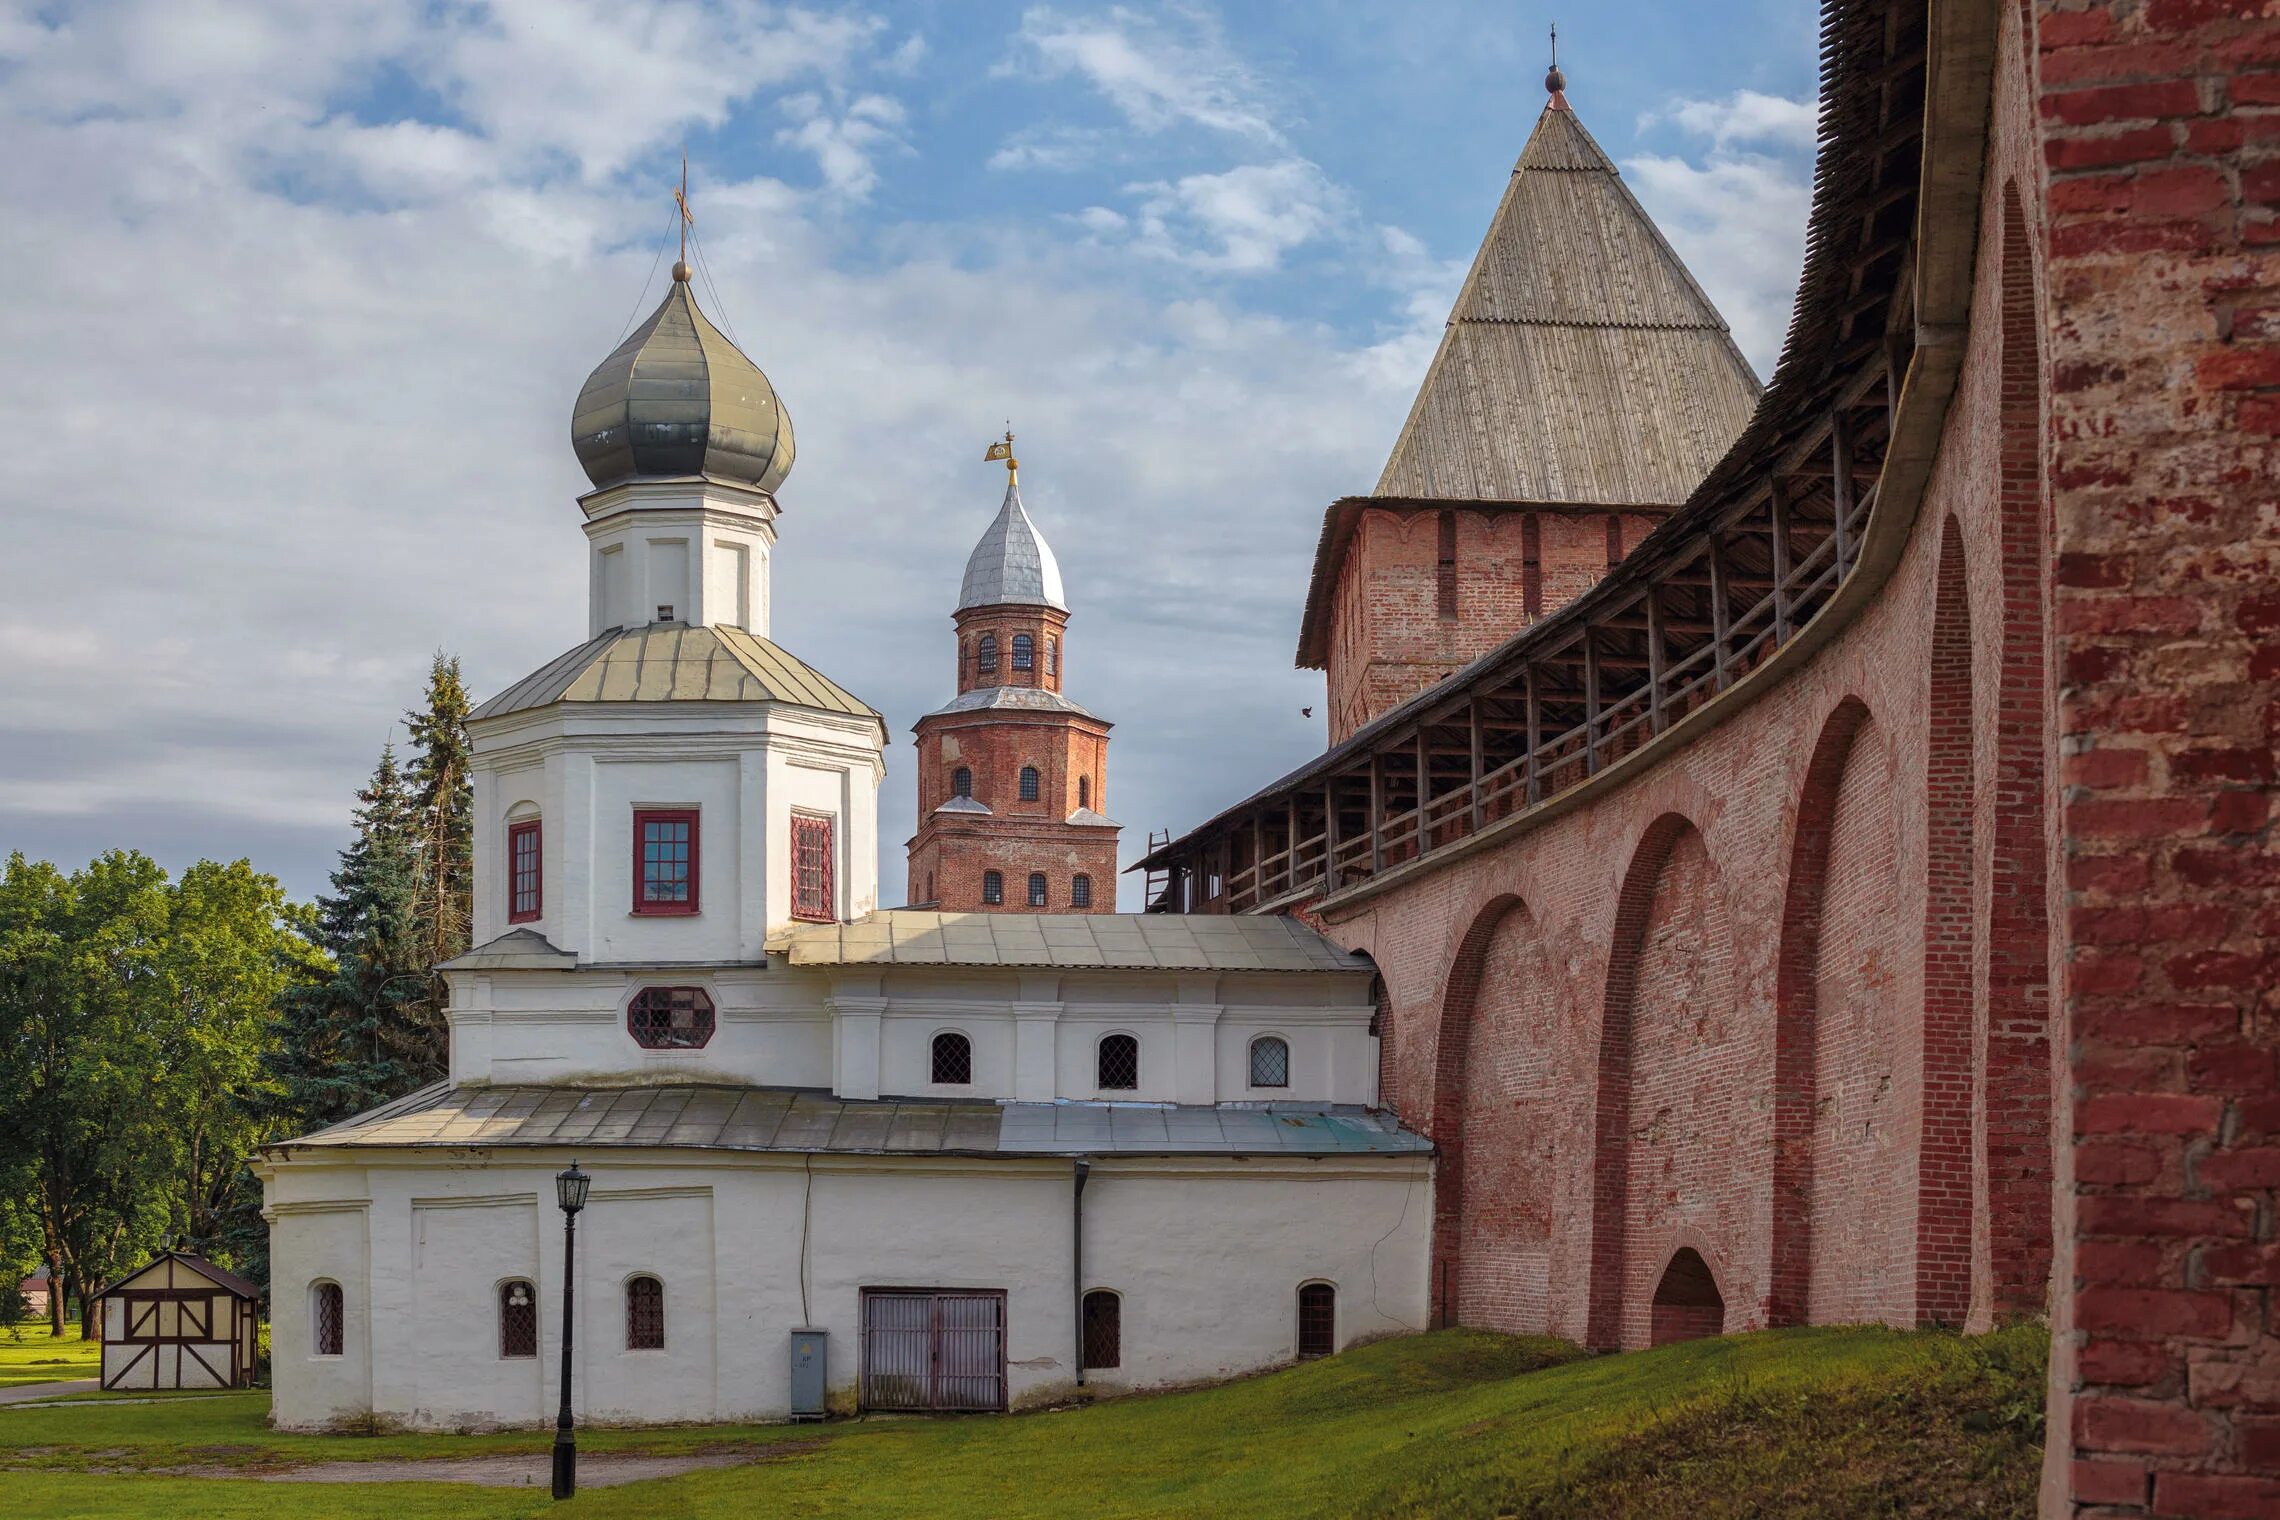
column 569, row 1191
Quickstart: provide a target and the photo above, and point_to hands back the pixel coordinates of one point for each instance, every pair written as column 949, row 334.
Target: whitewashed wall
column 1208, row 1255
column 704, row 552
column 866, row 1034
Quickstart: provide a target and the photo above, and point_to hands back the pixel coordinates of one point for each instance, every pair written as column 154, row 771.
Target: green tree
column 351, row 1030
column 441, row 813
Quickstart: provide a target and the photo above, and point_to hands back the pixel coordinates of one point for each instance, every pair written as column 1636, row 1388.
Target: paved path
column 25, row 1392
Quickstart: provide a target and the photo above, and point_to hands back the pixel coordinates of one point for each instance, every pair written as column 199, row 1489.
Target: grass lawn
column 34, row 1356
column 1798, row 1423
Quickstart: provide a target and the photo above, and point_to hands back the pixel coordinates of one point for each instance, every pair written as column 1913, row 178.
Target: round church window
column 670, row 1018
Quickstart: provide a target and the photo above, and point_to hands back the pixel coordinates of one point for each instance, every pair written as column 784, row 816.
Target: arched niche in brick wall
column 1667, row 1100
column 1944, row 1181
column 2016, row 1059
column 1843, row 1086
column 1495, row 1091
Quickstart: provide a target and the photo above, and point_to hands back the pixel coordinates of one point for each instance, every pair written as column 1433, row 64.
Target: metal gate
column 925, row 1349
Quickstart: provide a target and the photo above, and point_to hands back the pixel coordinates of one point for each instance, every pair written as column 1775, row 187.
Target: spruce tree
column 353, row 1033
column 441, row 808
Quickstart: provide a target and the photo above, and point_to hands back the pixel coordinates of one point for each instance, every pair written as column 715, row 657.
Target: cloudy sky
column 295, row 296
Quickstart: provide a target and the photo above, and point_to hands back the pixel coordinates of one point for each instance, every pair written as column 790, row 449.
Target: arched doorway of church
column 1687, row 1304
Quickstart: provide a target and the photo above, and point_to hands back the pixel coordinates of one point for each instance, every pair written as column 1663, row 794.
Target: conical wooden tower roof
column 1582, row 365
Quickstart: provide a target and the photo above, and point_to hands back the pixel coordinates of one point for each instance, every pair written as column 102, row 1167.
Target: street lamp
column 569, row 1191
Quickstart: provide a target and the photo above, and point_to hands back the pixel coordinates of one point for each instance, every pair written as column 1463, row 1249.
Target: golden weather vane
column 1004, row 450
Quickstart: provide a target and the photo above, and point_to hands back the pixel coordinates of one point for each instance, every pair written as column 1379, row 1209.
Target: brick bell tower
column 1012, row 775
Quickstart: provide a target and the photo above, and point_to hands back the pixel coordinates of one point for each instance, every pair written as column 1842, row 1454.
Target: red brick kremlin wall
column 1937, row 987
column 2161, row 136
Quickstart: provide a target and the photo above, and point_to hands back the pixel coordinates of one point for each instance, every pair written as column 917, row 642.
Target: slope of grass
column 1854, row 1422
column 31, row 1355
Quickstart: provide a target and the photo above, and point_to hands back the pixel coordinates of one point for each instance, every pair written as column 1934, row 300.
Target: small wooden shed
column 179, row 1322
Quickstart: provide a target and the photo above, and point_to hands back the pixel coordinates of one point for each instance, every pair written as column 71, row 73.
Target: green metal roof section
column 677, row 399
column 738, row 1118
column 673, row 662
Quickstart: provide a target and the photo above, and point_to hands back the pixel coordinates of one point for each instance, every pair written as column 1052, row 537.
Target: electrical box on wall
column 808, row 1362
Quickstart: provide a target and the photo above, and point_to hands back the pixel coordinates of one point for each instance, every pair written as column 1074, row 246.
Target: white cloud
column 845, row 144
column 1744, row 117
column 1240, row 221
column 1158, row 71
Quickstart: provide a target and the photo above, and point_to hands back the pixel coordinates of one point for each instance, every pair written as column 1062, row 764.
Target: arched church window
column 518, row 1319
column 1084, row 791
column 1052, row 655
column 953, row 1064
column 961, row 782
column 985, row 654
column 670, row 1018
column 1104, row 1330
column 1119, row 1063
column 1029, row 783
column 1080, row 891
column 993, row 887
column 328, row 1316
column 1037, row 889
column 1270, row 1062
column 1024, row 652
column 1317, row 1319
column 525, row 884
column 644, row 1314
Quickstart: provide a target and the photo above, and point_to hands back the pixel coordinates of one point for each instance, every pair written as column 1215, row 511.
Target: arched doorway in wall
column 1687, row 1304
column 1843, row 1077
column 2017, row 1057
column 1665, row 1023
column 1944, row 1154
column 1496, row 1118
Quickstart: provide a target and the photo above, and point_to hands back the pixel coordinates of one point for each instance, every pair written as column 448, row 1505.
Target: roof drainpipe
column 1077, row 1251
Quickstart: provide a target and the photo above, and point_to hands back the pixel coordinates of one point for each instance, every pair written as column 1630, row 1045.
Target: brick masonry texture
column 1936, row 987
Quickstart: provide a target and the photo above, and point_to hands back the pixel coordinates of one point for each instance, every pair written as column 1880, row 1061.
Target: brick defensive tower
column 1012, row 775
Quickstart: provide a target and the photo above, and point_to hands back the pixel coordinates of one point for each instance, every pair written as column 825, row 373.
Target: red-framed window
column 814, row 894
column 526, row 877
column 665, row 860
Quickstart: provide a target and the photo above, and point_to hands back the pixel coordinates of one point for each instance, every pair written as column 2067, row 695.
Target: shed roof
column 1130, row 941
column 807, row 1121
column 673, row 662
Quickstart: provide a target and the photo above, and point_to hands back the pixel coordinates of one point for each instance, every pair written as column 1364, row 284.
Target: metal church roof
column 677, row 399
column 1132, row 941
column 1013, row 563
column 673, row 662
column 804, row 1120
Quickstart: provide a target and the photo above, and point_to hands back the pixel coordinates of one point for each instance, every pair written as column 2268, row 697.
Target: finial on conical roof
column 1555, row 82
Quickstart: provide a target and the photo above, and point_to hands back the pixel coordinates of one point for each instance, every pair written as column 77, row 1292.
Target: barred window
column 1024, row 652
column 985, row 655
column 961, row 782
column 813, row 891
column 1270, row 1062
column 670, row 1018
column 1037, row 889
column 1317, row 1319
column 953, row 1059
column 1119, row 1063
column 329, row 1316
column 518, row 1319
column 1080, row 891
column 524, row 881
column 993, row 887
column 665, row 860
column 644, row 1314
column 1029, row 783
column 1104, row 1330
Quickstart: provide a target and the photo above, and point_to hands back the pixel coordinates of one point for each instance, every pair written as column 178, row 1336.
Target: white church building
column 989, row 1156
